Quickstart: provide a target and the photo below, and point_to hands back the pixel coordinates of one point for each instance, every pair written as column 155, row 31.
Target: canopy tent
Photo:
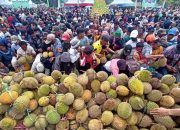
column 123, row 3
column 79, row 3
column 5, row 3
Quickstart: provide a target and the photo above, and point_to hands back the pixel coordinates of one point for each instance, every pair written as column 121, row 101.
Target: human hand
column 160, row 112
column 51, row 59
column 49, row 48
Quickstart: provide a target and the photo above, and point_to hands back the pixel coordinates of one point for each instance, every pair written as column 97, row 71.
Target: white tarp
column 122, row 3
column 80, row 2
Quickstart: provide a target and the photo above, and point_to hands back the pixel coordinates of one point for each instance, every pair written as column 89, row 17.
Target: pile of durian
column 91, row 101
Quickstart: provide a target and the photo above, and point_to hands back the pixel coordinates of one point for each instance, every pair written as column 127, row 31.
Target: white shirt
column 29, row 50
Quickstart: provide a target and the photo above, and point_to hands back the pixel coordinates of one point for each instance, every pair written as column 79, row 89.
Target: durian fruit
column 154, row 95
column 168, row 79
column 7, row 123
column 144, row 75
column 164, row 89
column 61, row 108
column 17, row 77
column 76, row 89
column 167, row 121
column 29, row 120
column 73, row 125
column 167, row 101
column 124, row 110
column 39, row 77
column 150, row 106
column 111, row 93
column 63, row 77
column 136, row 102
column 119, row 123
column 100, row 98
column 78, row 104
column 147, row 87
column 111, row 79
column 71, row 114
column 107, row 117
column 56, row 75
column 60, row 97
column 95, row 124
column 118, row 101
column 16, row 87
column 162, row 62
column 29, row 82
column 103, row 60
column 63, row 124
column 94, row 111
column 28, row 74
column 45, row 54
column 132, row 127
column 54, row 89
column 33, row 104
column 43, row 90
column 87, row 95
column 91, row 103
column 20, row 104
column 21, row 60
column 29, row 94
column 133, row 119
column 175, row 93
column 122, row 79
column 81, row 128
column 105, row 86
column 50, row 54
column 136, row 86
column 29, row 58
column 109, row 104
column 62, row 88
column 41, row 122
column 43, row 101
column 122, row 90
column 102, row 76
column 82, row 79
column 68, row 98
column 95, row 85
column 48, row 80
column 158, row 127
column 82, row 115
column 4, row 108
column 91, row 74
column 146, row 121
column 173, row 86
column 7, row 79
column 52, row 117
column 8, row 97
column 156, row 83
column 48, row 108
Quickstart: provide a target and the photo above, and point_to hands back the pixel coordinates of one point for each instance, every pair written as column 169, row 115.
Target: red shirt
column 10, row 18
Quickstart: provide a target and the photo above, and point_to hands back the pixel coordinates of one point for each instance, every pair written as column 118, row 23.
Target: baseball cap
column 134, row 34
column 65, row 36
column 172, row 31
column 150, row 38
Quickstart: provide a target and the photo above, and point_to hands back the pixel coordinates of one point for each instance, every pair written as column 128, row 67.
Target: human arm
column 165, row 112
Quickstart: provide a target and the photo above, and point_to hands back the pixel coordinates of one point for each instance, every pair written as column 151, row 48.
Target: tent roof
column 75, row 3
column 124, row 3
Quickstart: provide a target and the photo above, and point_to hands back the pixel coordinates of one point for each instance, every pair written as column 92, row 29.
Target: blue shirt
column 6, row 57
column 57, row 45
column 14, row 47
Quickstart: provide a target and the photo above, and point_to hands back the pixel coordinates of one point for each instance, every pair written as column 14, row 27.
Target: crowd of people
column 124, row 41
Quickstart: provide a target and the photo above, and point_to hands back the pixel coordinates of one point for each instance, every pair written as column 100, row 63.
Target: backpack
column 133, row 66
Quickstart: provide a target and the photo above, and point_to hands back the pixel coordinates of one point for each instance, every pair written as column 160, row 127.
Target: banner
column 149, row 3
column 99, row 8
column 20, row 3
